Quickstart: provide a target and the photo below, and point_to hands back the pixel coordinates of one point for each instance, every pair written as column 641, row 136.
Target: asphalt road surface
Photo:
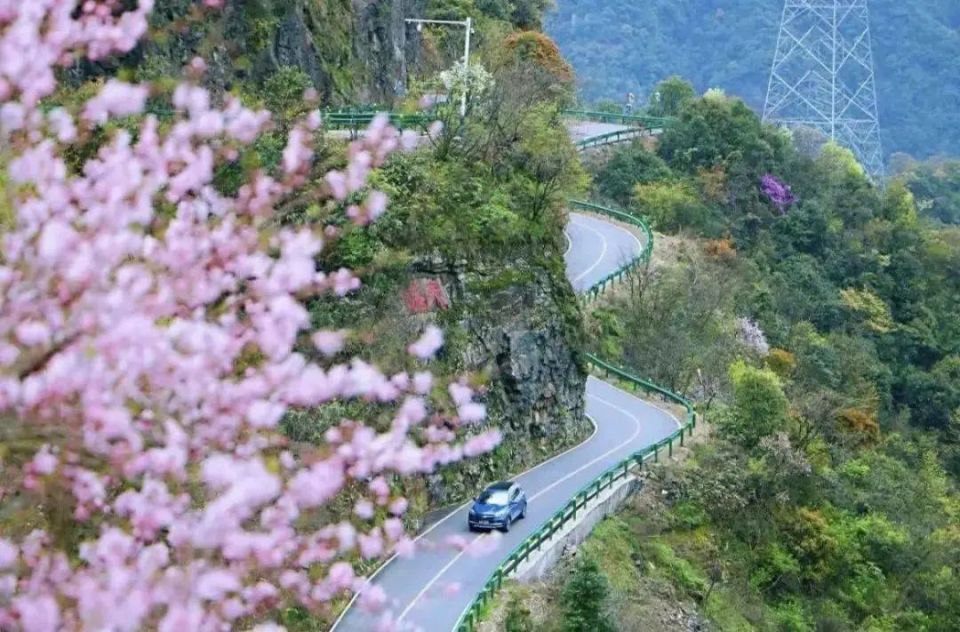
column 431, row 590
column 581, row 130
column 595, row 248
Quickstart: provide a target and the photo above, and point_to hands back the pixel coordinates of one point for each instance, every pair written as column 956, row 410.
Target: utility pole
column 468, row 27
column 822, row 76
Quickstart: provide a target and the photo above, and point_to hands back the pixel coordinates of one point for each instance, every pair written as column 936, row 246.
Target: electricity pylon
column 822, row 76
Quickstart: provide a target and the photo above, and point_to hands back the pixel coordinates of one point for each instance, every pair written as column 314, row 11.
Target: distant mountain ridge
column 621, row 46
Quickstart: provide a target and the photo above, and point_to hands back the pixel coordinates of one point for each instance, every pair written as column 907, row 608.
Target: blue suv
column 498, row 507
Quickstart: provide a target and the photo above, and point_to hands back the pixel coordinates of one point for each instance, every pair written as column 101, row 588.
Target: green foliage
column 829, row 491
column 584, row 599
column 721, row 131
column 521, row 14
column 607, row 105
column 858, row 257
column 936, row 185
column 623, row 46
column 869, row 306
column 669, row 96
column 261, row 31
column 549, row 161
column 612, row 542
column 679, row 570
column 6, row 212
column 791, row 616
column 619, row 176
column 675, row 324
column 773, row 565
column 840, row 163
column 759, row 405
column 517, row 617
column 282, row 94
column 356, row 249
column 429, row 202
column 672, row 206
column 609, row 331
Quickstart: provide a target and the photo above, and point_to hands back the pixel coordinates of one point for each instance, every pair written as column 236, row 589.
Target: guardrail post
column 656, row 453
column 670, row 448
column 681, row 437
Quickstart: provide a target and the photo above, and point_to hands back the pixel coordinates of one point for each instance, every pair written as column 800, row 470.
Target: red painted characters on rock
column 425, row 295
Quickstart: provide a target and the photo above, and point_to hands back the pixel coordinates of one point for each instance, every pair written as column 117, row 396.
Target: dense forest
column 619, row 47
column 936, row 186
column 813, row 318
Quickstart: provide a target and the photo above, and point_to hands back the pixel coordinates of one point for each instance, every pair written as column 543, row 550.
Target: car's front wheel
column 506, row 524
column 523, row 512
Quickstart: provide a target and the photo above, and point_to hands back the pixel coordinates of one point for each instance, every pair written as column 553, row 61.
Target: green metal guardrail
column 472, row 616
column 617, row 136
column 353, row 119
column 356, row 120
column 623, row 119
column 597, row 288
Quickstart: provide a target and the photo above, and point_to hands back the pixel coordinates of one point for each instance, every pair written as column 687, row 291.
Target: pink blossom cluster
column 40, row 35
column 151, row 334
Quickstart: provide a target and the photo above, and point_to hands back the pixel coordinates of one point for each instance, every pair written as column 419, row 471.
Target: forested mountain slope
column 621, row 46
column 812, row 317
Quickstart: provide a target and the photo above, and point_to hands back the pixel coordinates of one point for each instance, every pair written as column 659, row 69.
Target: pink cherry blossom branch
column 151, row 323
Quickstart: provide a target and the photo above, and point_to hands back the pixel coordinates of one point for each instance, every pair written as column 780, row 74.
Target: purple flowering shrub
column 778, row 192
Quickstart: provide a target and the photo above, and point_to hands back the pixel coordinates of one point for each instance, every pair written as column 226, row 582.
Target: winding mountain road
column 431, row 590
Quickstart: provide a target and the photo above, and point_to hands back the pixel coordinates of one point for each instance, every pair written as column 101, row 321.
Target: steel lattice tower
column 822, row 76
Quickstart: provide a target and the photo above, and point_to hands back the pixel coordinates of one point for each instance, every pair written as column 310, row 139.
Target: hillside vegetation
column 813, row 318
column 936, row 185
column 472, row 241
column 620, row 46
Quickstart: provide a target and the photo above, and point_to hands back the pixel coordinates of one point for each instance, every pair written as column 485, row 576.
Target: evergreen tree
column 584, row 599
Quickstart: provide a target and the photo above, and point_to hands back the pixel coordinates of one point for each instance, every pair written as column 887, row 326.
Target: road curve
column 582, row 130
column 598, row 248
column 431, row 590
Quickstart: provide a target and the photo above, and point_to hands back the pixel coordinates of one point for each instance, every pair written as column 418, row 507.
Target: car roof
column 500, row 485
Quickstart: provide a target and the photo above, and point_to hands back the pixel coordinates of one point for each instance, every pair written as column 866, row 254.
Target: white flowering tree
column 473, row 80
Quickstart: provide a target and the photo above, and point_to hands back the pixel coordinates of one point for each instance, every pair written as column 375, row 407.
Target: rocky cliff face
column 519, row 327
column 354, row 51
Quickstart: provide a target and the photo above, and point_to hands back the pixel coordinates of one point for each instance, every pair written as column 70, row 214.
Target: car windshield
column 493, row 497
